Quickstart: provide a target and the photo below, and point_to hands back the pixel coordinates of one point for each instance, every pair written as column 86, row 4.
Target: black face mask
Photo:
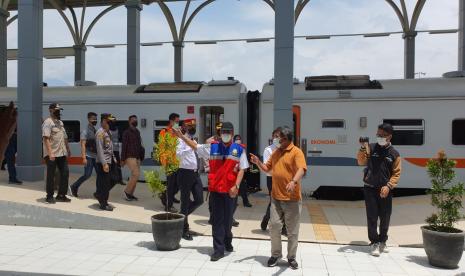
column 57, row 114
column 94, row 123
column 134, row 124
column 191, row 131
column 112, row 125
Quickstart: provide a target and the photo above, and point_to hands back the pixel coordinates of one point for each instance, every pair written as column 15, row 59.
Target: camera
column 364, row 140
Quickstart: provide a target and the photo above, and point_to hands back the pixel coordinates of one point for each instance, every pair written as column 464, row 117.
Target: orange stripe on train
column 421, row 162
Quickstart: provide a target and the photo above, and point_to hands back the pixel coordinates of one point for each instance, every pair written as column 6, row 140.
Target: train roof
column 387, row 89
column 163, row 92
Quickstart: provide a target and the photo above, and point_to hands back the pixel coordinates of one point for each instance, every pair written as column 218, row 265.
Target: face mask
column 276, row 142
column 381, row 141
column 191, row 131
column 176, row 125
column 94, row 123
column 239, row 141
column 57, row 114
column 226, row 138
column 134, row 124
column 112, row 125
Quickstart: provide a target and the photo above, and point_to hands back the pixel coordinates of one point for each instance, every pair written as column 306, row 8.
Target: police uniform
column 225, row 164
column 104, row 156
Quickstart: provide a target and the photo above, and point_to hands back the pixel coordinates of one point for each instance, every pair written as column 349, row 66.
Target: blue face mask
column 276, row 142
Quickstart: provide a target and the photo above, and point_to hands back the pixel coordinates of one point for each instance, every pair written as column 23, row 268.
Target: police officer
column 105, row 161
column 381, row 175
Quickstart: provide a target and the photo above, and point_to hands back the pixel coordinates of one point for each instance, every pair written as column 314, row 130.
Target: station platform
column 332, row 222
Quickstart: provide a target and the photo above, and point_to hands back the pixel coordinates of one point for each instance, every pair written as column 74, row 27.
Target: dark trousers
column 189, row 182
column 222, row 216
column 104, row 185
column 243, row 189
column 171, row 189
column 118, row 165
column 10, row 162
column 269, row 185
column 62, row 164
column 91, row 165
column 377, row 208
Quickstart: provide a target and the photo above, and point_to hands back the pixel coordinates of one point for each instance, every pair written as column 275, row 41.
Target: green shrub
column 445, row 196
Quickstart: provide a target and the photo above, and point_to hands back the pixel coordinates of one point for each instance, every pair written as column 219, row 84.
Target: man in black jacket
column 381, row 175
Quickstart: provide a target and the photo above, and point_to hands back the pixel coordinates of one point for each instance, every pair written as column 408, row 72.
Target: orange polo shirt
column 285, row 164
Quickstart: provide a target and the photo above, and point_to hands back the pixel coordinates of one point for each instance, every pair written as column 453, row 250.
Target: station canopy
column 13, row 5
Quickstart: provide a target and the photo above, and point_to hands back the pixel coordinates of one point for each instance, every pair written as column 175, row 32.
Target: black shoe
column 264, row 224
column 3, row 169
column 134, row 198
column 194, row 234
column 15, row 181
column 106, row 207
column 127, row 196
column 95, row 195
column 74, row 190
column 163, row 199
column 229, row 248
column 272, row 261
column 293, row 264
column 50, row 200
column 62, row 199
column 187, row 236
column 247, row 204
column 235, row 223
column 171, row 210
column 175, row 200
column 216, row 256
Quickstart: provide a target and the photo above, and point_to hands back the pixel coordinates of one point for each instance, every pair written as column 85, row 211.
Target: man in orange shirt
column 172, row 186
column 288, row 165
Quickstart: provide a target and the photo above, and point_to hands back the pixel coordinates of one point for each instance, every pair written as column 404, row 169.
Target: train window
column 407, row 132
column 158, row 125
column 458, row 132
column 121, row 126
column 73, row 130
column 333, row 124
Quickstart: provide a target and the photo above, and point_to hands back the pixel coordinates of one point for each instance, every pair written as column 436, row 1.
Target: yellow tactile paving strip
column 321, row 227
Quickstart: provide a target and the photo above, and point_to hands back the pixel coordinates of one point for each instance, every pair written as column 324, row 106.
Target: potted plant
column 443, row 243
column 166, row 227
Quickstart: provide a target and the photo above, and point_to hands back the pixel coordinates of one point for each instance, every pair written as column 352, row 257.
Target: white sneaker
column 374, row 250
column 383, row 248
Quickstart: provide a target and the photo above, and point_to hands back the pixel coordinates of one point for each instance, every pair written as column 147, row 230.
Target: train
column 330, row 113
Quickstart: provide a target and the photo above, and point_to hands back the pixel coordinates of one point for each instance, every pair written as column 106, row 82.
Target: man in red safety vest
column 227, row 161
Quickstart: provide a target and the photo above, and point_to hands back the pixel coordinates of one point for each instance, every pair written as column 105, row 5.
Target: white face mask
column 176, row 125
column 239, row 141
column 226, row 138
column 381, row 141
column 276, row 142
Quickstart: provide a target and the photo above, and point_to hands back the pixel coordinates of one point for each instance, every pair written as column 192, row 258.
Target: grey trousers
column 288, row 211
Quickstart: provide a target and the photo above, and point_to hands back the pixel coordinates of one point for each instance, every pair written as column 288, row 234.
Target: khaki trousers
column 133, row 166
column 289, row 212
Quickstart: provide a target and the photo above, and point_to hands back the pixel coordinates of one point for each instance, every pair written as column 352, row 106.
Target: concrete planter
column 167, row 230
column 443, row 249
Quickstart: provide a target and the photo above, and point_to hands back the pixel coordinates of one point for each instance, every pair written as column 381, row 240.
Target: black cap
column 55, row 106
column 107, row 116
column 227, row 126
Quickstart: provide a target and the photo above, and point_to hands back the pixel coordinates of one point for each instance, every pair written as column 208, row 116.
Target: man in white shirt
column 188, row 177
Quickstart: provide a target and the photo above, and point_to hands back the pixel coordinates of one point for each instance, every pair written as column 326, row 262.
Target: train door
column 296, row 121
column 210, row 116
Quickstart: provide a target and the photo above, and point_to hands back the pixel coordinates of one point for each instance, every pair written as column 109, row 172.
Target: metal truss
column 298, row 8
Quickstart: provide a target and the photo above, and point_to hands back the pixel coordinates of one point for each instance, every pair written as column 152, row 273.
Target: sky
column 252, row 63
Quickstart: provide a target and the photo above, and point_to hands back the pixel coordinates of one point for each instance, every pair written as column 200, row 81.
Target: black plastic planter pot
column 167, row 230
column 443, row 249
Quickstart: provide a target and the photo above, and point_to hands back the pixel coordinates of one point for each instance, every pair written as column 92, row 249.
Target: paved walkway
column 27, row 250
column 339, row 222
